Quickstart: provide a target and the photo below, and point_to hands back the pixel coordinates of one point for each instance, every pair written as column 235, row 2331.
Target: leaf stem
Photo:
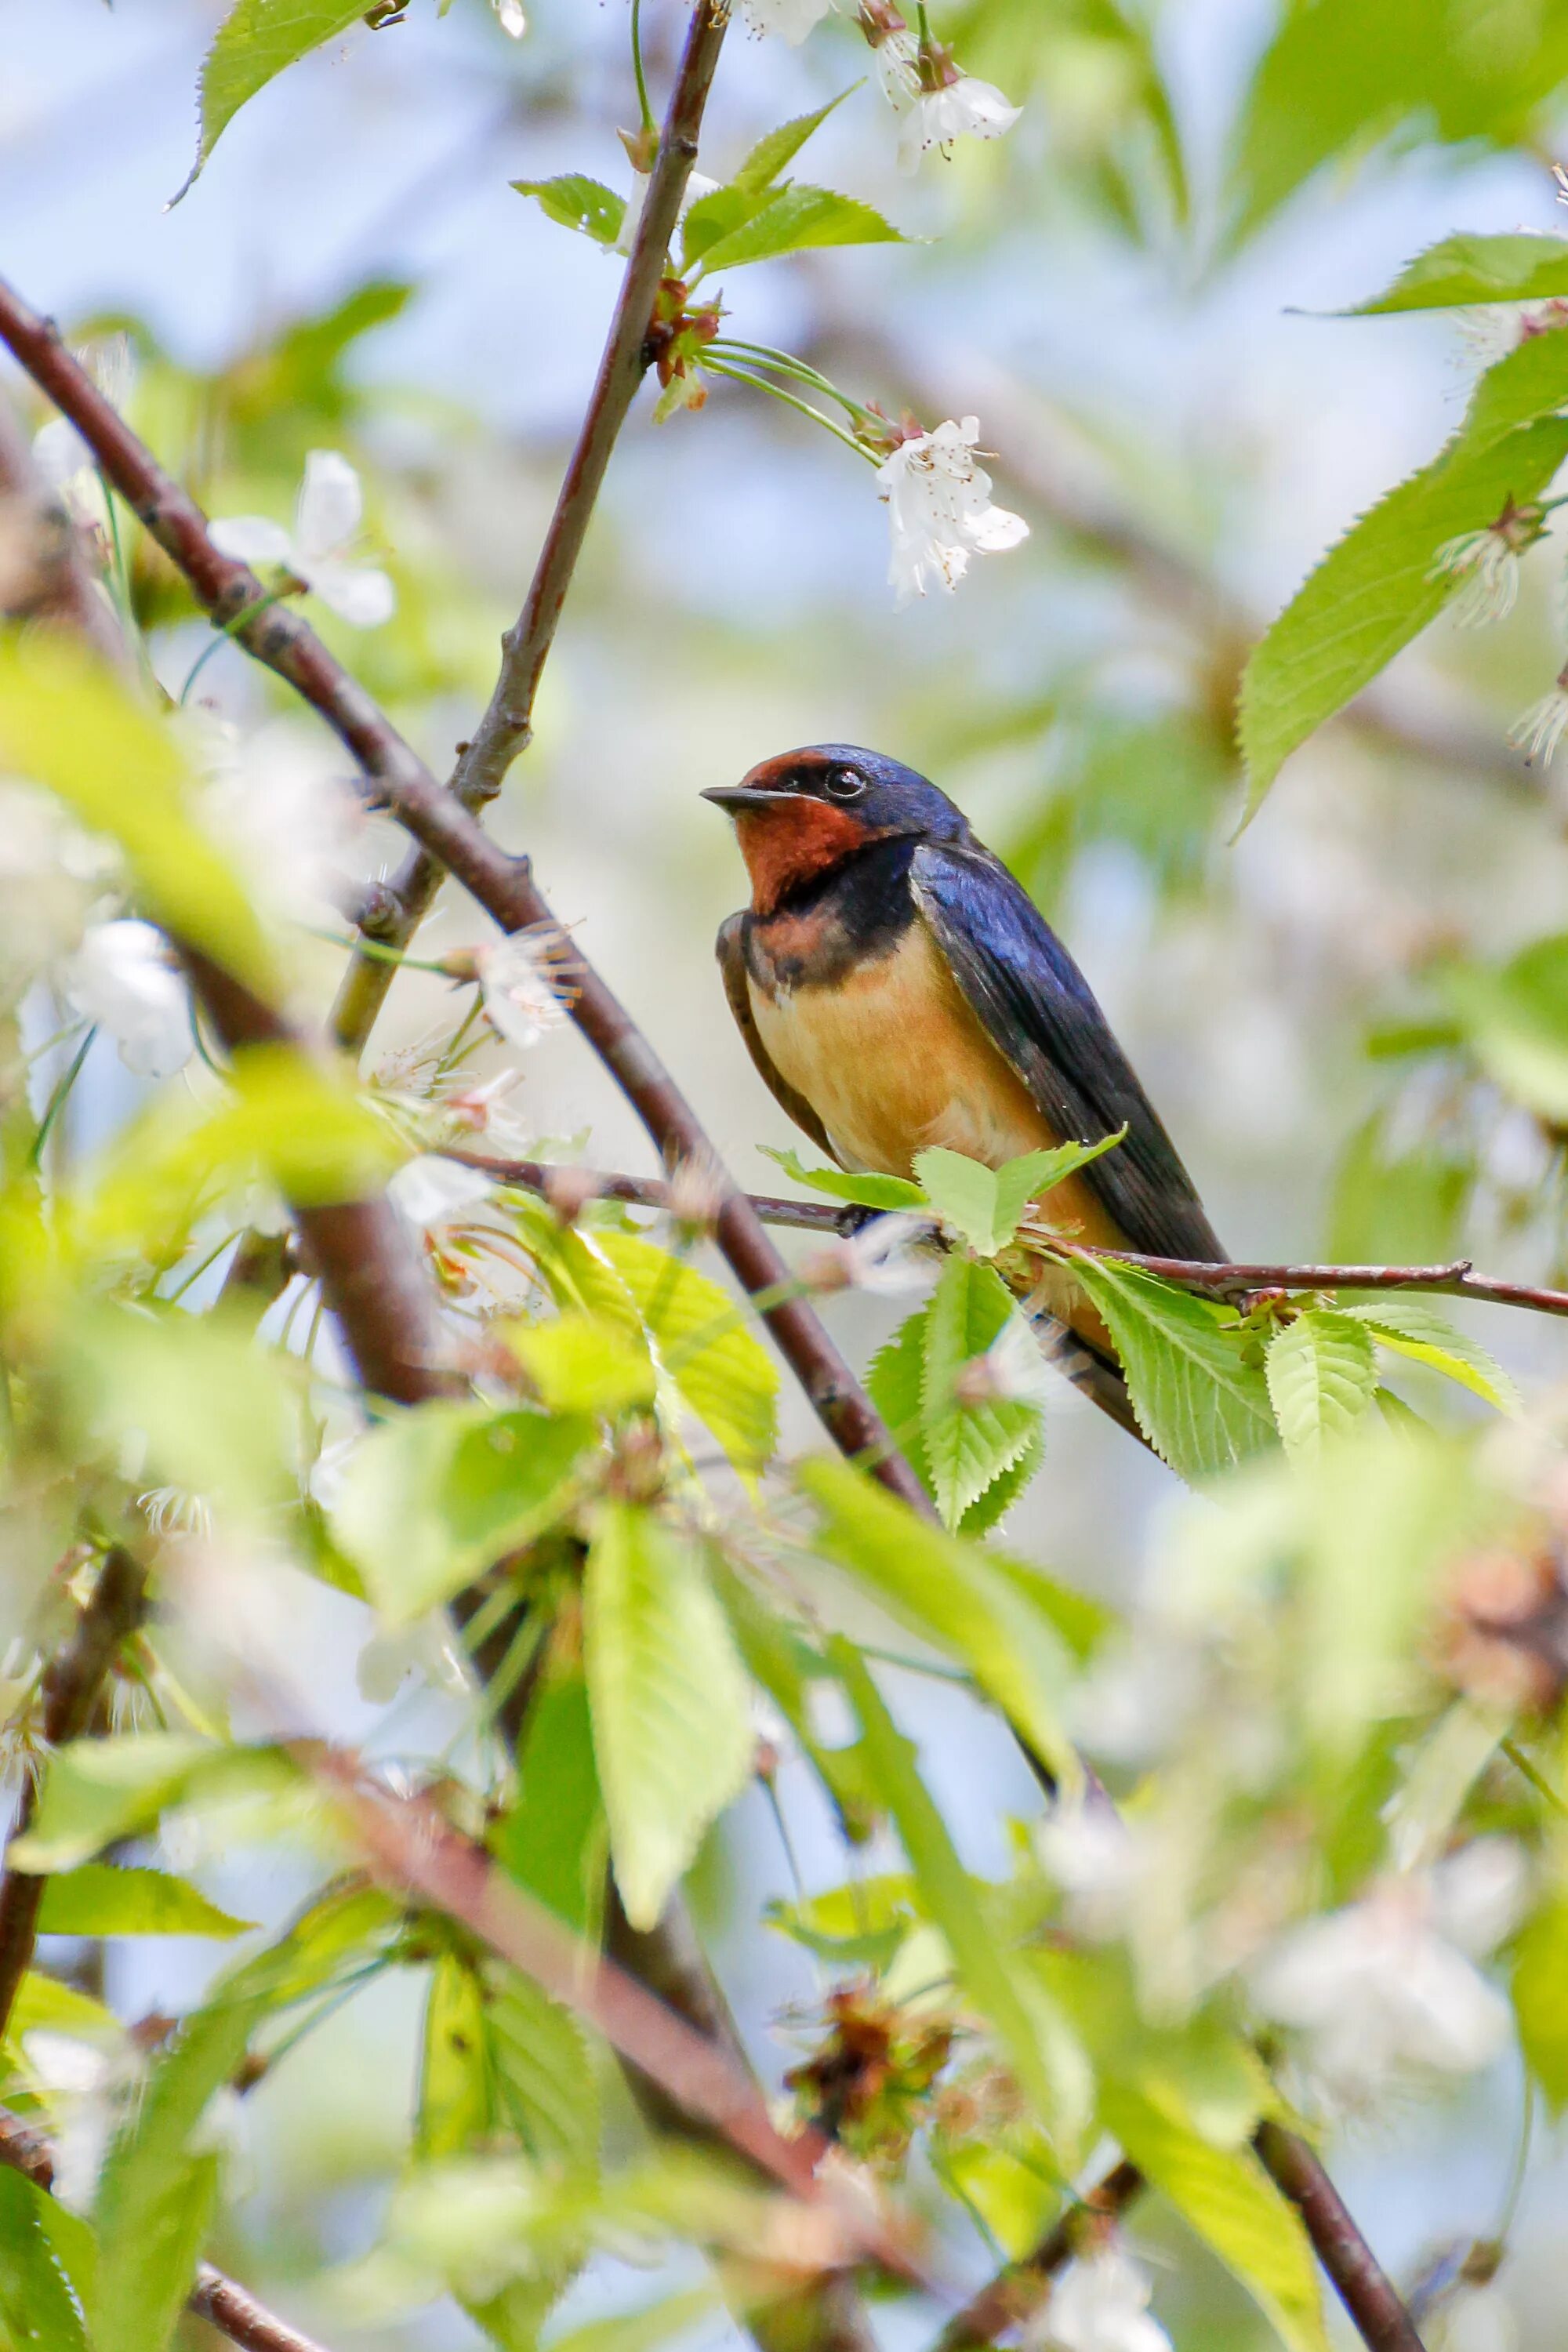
column 777, row 392
column 644, row 110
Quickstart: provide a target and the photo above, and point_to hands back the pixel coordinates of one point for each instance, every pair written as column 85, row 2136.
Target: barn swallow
column 897, row 989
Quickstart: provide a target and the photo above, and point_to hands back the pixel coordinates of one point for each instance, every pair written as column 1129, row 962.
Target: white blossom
column 1539, row 730
column 896, row 59
column 1489, row 568
column 512, row 19
column 279, row 802
column 431, row 1190
column 174, row 1511
column 124, row 978
column 82, row 2085
column 1390, row 1981
column 888, row 1258
column 698, row 184
column 940, row 510
column 427, row 1648
column 1100, row 2303
column 792, row 18
column 1097, row 1861
column 327, row 517
column 1476, row 2319
column 962, row 108
column 522, row 989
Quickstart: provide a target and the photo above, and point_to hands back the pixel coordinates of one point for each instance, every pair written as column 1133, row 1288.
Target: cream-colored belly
column 892, row 1060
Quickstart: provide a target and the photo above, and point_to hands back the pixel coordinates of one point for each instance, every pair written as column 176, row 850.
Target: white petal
column 356, row 593
column 252, row 539
column 330, row 506
column 1451, row 2017
column 522, row 997
column 1478, row 1894
column 993, row 531
column 430, row 1189
column 59, row 452
column 123, row 978
column 512, row 19
column 1100, row 2305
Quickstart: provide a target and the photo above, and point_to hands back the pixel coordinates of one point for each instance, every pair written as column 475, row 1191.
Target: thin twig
column 1360, row 2281
column 354, row 1243
column 1016, row 2293
column 504, row 730
column 223, row 2302
column 73, row 1682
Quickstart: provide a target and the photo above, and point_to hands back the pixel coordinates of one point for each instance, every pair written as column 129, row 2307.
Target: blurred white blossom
column 1540, row 730
column 430, row 1190
column 1390, row 1981
column 511, row 18
column 888, row 1258
column 792, row 18
column 428, row 1647
column 174, row 1511
column 82, row 2086
column 1100, row 2303
column 1097, row 1861
column 124, row 978
column 1476, row 2319
column 940, row 510
column 327, row 518
column 522, row 988
column 958, row 107
column 279, row 803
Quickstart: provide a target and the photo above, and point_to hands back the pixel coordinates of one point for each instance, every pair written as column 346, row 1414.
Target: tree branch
column 504, row 886
column 506, row 726
column 1360, row 2281
column 1016, row 2293
column 229, row 2307
column 73, row 1682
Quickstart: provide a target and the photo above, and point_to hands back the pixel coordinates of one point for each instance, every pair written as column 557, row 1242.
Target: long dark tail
column 1098, row 1375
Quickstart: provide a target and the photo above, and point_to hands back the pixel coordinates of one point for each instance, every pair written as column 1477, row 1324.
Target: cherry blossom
column 948, row 105
column 124, row 977
column 522, row 989
column 327, row 517
column 940, row 510
column 1100, row 2305
column 511, row 18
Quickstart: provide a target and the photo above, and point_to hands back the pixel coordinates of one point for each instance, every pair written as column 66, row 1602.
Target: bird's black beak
column 739, row 796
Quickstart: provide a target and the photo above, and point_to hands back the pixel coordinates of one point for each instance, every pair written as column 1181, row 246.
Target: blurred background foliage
column 1355, row 1018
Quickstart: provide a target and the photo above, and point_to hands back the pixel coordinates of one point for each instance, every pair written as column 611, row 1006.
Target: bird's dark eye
column 844, row 784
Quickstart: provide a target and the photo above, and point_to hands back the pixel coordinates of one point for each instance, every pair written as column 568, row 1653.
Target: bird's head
column 803, row 812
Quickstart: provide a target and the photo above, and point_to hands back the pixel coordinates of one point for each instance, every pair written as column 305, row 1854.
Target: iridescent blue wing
column 1039, row 1011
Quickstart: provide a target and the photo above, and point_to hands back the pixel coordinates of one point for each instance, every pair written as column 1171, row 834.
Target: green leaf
column 720, row 1367
column 455, row 2111
column 436, row 1493
column 777, row 148
column 1377, row 589
column 546, row 2087
column 254, row 42
column 988, row 1510
column 969, row 1447
column 1046, row 2057
column 1414, row 1328
column 1540, row 1975
column 68, row 722
column 578, row 203
column 862, row 1191
column 951, row 1593
column 58, row 2008
column 982, row 1206
column 96, row 1791
column 101, row 1899
column 1515, row 1020
column 670, row 1704
column 1322, row 1371
column 553, row 1839
column 1464, row 270
column 46, row 2261
column 582, row 1363
column 645, row 2330
column 1202, row 1408
column 1228, row 2198
column 796, row 218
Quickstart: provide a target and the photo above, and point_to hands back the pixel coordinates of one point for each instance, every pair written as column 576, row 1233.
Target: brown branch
column 504, row 886
column 506, row 726
column 1456, row 1280
column 72, row 1683
column 1360, row 2281
column 1016, row 2293
column 228, row 2306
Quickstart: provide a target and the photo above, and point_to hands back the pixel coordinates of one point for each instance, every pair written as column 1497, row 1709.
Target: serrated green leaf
column 1462, row 270
column 546, row 2086
column 581, row 1363
column 579, row 203
column 776, row 148
column 989, row 1510
column 968, row 1446
column 70, row 723
column 1228, row 2198
column 893, row 1381
column 1322, row 1371
column 1200, row 1406
column 57, row 2008
column 1413, row 1328
column 553, row 1839
column 1378, row 587
column 47, row 2265
column 456, row 2110
column 104, row 1899
column 1540, row 1975
column 96, row 1791
column 435, row 1495
column 672, row 1733
column 720, row 1367
column 861, row 1192
column 1045, row 2055
column 951, row 1593
column 254, row 42
column 982, row 1206
column 796, row 218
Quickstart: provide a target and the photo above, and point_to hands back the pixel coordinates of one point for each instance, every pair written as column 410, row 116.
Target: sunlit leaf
column 580, row 1363
column 1322, row 1371
column 862, row 1191
column 434, row 1495
column 1540, row 1973
column 720, row 1367
column 104, row 1899
column 982, row 1206
column 796, row 218
column 1414, row 1327
column 968, row 1446
column 554, row 1839
column 777, row 148
column 671, row 1713
column 1199, row 1404
column 254, row 42
column 96, row 1791
column 576, row 202
column 47, row 2266
column 1462, row 270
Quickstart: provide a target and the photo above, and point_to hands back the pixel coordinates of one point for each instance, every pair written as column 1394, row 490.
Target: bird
column 898, row 988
